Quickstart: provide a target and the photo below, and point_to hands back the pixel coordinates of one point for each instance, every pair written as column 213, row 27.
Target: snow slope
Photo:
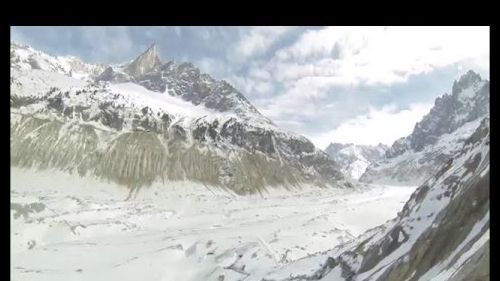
column 442, row 232
column 37, row 82
column 137, row 94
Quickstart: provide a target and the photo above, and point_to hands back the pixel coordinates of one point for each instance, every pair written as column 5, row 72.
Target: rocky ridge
column 442, row 232
column 440, row 133
column 162, row 122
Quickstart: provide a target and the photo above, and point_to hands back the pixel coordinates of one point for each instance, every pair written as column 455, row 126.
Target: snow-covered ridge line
column 26, row 58
column 28, row 78
column 437, row 136
column 442, row 231
column 184, row 125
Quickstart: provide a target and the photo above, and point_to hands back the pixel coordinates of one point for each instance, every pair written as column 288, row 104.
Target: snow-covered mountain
column 148, row 121
column 353, row 158
column 26, row 58
column 442, row 232
column 440, row 133
column 186, row 81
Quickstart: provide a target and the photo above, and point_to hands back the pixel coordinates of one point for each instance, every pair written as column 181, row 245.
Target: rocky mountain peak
column 469, row 101
column 184, row 80
column 146, row 103
column 465, row 81
column 146, row 62
column 437, row 136
column 355, row 158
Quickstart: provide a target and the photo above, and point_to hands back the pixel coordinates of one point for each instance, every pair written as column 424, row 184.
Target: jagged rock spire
column 144, row 63
column 465, row 81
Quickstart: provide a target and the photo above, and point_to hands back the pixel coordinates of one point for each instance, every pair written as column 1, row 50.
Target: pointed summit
column 144, row 63
column 465, row 81
column 152, row 49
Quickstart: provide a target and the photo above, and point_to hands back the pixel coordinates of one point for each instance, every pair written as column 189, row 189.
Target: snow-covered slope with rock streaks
column 439, row 134
column 163, row 121
column 442, row 232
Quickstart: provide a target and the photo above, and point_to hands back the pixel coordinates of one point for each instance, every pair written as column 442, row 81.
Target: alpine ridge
column 440, row 133
column 148, row 121
column 442, row 232
column 144, row 63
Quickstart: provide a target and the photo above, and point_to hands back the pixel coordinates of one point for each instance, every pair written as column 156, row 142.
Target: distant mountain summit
column 145, row 63
column 437, row 136
column 183, row 80
column 353, row 158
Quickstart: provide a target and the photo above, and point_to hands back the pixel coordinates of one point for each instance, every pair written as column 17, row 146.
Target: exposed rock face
column 468, row 102
column 125, row 133
column 442, row 233
column 354, row 159
column 437, row 136
column 145, row 63
column 186, row 81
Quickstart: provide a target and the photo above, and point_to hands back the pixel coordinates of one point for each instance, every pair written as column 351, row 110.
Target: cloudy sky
column 332, row 84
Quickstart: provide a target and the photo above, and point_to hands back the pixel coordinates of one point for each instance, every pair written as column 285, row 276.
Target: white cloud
column 322, row 62
column 302, row 99
column 259, row 73
column 379, row 55
column 321, row 43
column 378, row 126
column 252, row 87
column 214, row 67
column 111, row 42
column 256, row 41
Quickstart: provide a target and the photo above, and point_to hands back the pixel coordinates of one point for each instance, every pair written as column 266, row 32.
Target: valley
column 149, row 168
column 82, row 229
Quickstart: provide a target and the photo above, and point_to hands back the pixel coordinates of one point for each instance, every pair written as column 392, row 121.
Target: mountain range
column 442, row 232
column 147, row 120
column 437, row 137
